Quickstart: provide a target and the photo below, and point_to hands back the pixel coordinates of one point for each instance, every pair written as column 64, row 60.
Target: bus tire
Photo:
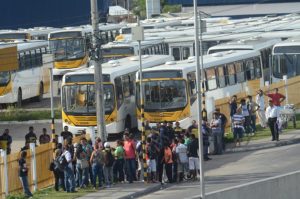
column 128, row 122
column 41, row 92
column 19, row 100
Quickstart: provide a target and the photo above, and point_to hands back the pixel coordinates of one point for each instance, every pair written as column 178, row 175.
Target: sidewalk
column 125, row 191
column 285, row 138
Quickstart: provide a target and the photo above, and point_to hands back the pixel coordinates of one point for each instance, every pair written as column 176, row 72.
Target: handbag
column 84, row 164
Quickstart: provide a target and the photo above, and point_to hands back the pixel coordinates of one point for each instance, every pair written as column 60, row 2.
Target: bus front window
column 286, row 64
column 4, row 78
column 67, row 49
column 165, row 95
column 80, row 99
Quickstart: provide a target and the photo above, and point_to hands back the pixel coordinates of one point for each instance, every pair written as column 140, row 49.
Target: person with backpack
column 108, row 165
column 151, row 155
column 23, row 174
column 119, row 163
column 82, row 166
column 65, row 162
column 58, row 171
column 97, row 161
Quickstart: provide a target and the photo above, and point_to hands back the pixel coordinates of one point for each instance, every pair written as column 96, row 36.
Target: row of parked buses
column 235, row 61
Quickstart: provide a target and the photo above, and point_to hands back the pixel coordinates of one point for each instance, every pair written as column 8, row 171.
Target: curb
column 264, row 146
column 30, row 122
column 146, row 191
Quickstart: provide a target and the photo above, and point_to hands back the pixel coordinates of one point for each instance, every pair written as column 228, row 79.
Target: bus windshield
column 164, row 95
column 117, row 52
column 286, row 64
column 67, row 49
column 80, row 99
column 4, row 78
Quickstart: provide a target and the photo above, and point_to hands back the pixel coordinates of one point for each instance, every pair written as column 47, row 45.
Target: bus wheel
column 41, row 93
column 19, row 102
column 128, row 122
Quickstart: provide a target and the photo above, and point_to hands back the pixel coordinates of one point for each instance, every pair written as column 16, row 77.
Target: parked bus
column 7, row 36
column 78, row 94
column 170, row 89
column 30, row 78
column 70, row 46
column 120, row 49
column 286, row 59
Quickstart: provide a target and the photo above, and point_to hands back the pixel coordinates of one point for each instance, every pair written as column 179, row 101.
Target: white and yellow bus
column 70, row 46
column 30, row 77
column 170, row 89
column 78, row 94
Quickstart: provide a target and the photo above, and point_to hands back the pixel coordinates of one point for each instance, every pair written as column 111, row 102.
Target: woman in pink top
column 130, row 160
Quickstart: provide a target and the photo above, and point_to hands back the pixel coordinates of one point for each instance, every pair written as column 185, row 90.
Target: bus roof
column 208, row 60
column 125, row 65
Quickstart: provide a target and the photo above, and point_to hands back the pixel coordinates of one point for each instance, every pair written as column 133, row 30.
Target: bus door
column 181, row 52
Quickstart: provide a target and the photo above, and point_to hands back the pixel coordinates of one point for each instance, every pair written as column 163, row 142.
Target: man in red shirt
column 129, row 149
column 276, row 97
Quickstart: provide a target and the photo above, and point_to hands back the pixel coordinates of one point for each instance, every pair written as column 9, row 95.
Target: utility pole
column 138, row 35
column 199, row 110
column 95, row 58
column 52, row 108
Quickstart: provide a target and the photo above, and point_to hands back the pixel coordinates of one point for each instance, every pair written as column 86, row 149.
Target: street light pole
column 95, row 58
column 199, row 110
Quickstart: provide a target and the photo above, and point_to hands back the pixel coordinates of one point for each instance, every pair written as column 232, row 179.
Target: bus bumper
column 7, row 99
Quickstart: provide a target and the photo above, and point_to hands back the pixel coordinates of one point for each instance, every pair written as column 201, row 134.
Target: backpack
column 109, row 159
column 62, row 162
column 151, row 151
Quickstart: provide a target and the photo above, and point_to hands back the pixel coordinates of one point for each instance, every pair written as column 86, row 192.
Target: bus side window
column 27, row 60
column 185, row 52
column 33, row 59
column 21, row 61
column 257, row 67
column 119, row 91
column 38, row 56
column 221, row 76
column 250, row 70
column 231, row 74
column 126, row 86
column 240, row 71
column 192, row 86
column 131, row 83
column 211, row 81
column 176, row 53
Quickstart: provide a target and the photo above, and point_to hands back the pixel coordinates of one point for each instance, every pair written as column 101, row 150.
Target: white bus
column 170, row 89
column 286, row 59
column 31, row 77
column 78, row 94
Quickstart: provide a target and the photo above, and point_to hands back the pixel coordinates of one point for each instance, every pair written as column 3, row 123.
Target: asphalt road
column 235, row 169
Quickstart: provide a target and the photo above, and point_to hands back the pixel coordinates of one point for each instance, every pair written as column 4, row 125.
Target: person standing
column 233, row 107
column 66, row 133
column 8, row 139
column 44, row 138
column 276, row 97
column 31, row 136
column 238, row 128
column 97, row 161
column 119, row 163
column 151, row 154
column 205, row 132
column 23, row 174
column 223, row 119
column 272, row 113
column 245, row 113
column 130, row 160
column 183, row 162
column 58, row 171
column 168, row 161
column 192, row 152
column 68, row 170
column 252, row 107
column 108, row 165
column 178, row 130
column 260, row 100
column 215, row 125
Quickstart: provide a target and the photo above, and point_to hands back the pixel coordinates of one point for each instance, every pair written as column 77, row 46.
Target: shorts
column 151, row 164
column 238, row 133
column 194, row 163
column 183, row 167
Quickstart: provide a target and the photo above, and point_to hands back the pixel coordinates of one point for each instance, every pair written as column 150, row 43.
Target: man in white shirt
column 181, row 151
column 68, row 171
column 260, row 100
column 272, row 113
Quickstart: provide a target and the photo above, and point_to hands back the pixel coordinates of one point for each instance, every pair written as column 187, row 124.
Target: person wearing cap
column 272, row 113
column 276, row 97
column 108, row 165
column 260, row 100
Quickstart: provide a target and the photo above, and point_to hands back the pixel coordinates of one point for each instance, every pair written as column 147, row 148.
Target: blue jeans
column 97, row 170
column 69, row 179
column 130, row 169
column 108, row 175
column 119, row 170
column 24, row 182
column 82, row 175
column 253, row 123
column 218, row 142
